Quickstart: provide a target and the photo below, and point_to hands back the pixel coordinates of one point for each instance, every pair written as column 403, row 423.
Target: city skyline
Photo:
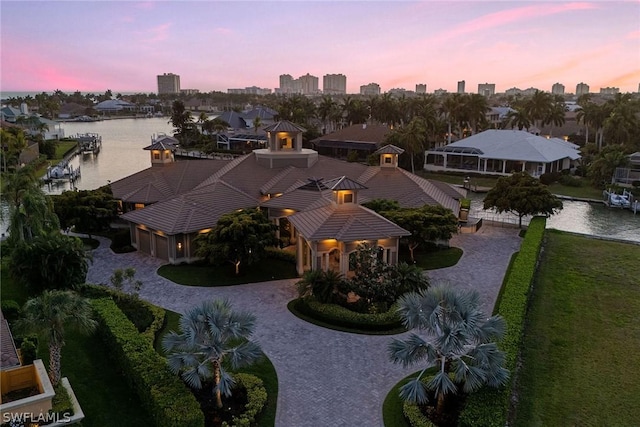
column 215, row 45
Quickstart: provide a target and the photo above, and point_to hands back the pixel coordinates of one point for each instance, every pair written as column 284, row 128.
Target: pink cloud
column 156, row 34
column 223, row 31
column 497, row 19
column 634, row 35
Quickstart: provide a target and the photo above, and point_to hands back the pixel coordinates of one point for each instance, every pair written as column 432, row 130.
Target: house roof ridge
column 275, row 179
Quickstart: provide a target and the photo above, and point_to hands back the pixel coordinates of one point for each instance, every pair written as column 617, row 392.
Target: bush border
column 490, row 407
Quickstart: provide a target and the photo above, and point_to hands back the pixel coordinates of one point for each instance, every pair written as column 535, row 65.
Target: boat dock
column 63, row 171
column 626, row 200
column 89, row 143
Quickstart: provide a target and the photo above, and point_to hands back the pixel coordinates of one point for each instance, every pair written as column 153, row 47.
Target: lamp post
column 467, row 183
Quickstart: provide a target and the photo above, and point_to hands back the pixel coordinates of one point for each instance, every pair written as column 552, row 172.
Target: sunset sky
column 216, row 45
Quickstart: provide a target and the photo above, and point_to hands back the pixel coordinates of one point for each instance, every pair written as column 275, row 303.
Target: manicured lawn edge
column 168, row 401
column 489, row 407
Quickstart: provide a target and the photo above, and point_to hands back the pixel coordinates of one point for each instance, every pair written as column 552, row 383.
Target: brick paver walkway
column 326, row 378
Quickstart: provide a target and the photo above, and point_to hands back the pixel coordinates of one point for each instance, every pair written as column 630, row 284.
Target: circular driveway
column 325, row 377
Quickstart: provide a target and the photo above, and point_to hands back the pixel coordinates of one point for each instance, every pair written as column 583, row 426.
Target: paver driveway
column 326, row 378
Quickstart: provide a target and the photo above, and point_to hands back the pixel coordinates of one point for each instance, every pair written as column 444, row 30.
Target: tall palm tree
column 210, row 335
column 412, row 138
column 476, row 107
column 519, row 118
column 538, row 106
column 326, row 111
column 622, row 125
column 451, row 109
column 585, row 115
column 49, row 314
column 31, row 211
column 555, row 115
column 452, row 336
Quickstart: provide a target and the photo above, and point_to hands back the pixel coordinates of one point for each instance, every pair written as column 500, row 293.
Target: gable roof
column 163, row 142
column 509, row 144
column 345, row 222
column 389, row 149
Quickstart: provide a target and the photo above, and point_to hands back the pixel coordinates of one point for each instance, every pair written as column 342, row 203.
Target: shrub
column 256, row 398
column 275, row 253
column 414, row 416
column 343, row 317
column 121, row 241
column 489, row 407
column 29, row 350
column 164, row 395
column 352, row 156
column 550, row 177
column 10, row 310
column 570, row 181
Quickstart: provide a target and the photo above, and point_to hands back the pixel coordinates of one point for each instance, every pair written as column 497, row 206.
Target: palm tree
column 451, row 108
column 519, row 118
column 49, row 314
column 555, row 115
column 326, row 111
column 210, row 335
column 412, row 138
column 31, row 211
column 456, row 340
column 476, row 108
column 585, row 115
column 538, row 106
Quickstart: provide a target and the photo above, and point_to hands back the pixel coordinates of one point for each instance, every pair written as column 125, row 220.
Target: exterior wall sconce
column 179, row 246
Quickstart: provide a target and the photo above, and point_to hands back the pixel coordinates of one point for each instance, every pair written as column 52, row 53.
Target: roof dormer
column 389, row 156
column 345, row 190
column 284, row 147
column 162, row 150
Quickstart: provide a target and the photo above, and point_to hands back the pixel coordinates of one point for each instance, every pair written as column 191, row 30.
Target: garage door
column 162, row 247
column 144, row 243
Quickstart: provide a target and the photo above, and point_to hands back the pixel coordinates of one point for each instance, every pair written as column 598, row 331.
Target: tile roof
column 389, row 149
column 8, row 353
column 370, row 133
column 284, row 126
column 300, row 200
column 193, row 211
column 343, row 183
column 345, row 222
column 163, row 143
column 161, row 182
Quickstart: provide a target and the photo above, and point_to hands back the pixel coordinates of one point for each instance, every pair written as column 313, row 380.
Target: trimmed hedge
column 489, row 406
column 146, row 317
column 414, row 416
column 256, row 399
column 166, row 398
column 275, row 253
column 339, row 316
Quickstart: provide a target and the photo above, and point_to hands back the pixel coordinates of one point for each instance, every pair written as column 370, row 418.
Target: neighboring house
column 266, row 115
column 502, row 152
column 176, row 201
column 11, row 114
column 70, row 110
column 235, row 120
column 364, row 138
column 114, row 106
column 628, row 175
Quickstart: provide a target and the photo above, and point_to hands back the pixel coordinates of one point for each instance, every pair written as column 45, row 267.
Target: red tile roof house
column 320, row 197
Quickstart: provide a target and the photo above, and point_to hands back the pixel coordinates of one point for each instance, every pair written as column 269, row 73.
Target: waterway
column 122, row 154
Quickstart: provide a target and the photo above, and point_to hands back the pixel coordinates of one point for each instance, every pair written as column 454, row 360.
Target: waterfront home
column 172, row 202
column 502, row 152
column 361, row 138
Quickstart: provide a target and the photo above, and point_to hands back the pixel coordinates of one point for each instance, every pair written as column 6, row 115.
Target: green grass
column 263, row 370
column 224, row 275
column 581, row 364
column 392, row 415
column 432, row 259
column 583, row 192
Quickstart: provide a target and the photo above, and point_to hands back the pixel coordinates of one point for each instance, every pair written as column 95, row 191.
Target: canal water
column 122, row 154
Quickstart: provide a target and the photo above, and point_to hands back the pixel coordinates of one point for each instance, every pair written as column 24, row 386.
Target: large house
column 361, row 138
column 502, row 152
column 314, row 200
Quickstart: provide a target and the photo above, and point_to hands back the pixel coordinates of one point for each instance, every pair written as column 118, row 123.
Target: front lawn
column 432, row 258
column 581, row 364
column 224, row 275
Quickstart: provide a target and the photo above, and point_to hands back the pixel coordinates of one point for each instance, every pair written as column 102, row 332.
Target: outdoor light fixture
column 179, row 246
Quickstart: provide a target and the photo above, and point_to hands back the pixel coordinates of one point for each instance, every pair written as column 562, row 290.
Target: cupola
column 162, row 150
column 284, row 147
column 345, row 190
column 389, row 156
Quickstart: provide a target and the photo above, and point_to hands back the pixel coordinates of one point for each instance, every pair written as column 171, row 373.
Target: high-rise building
column 421, row 88
column 308, row 84
column 557, row 89
column 168, row 83
column 514, row 91
column 286, row 84
column 461, row 84
column 334, row 84
column 440, row 92
column 609, row 90
column 370, row 89
column 487, row 89
column 582, row 89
